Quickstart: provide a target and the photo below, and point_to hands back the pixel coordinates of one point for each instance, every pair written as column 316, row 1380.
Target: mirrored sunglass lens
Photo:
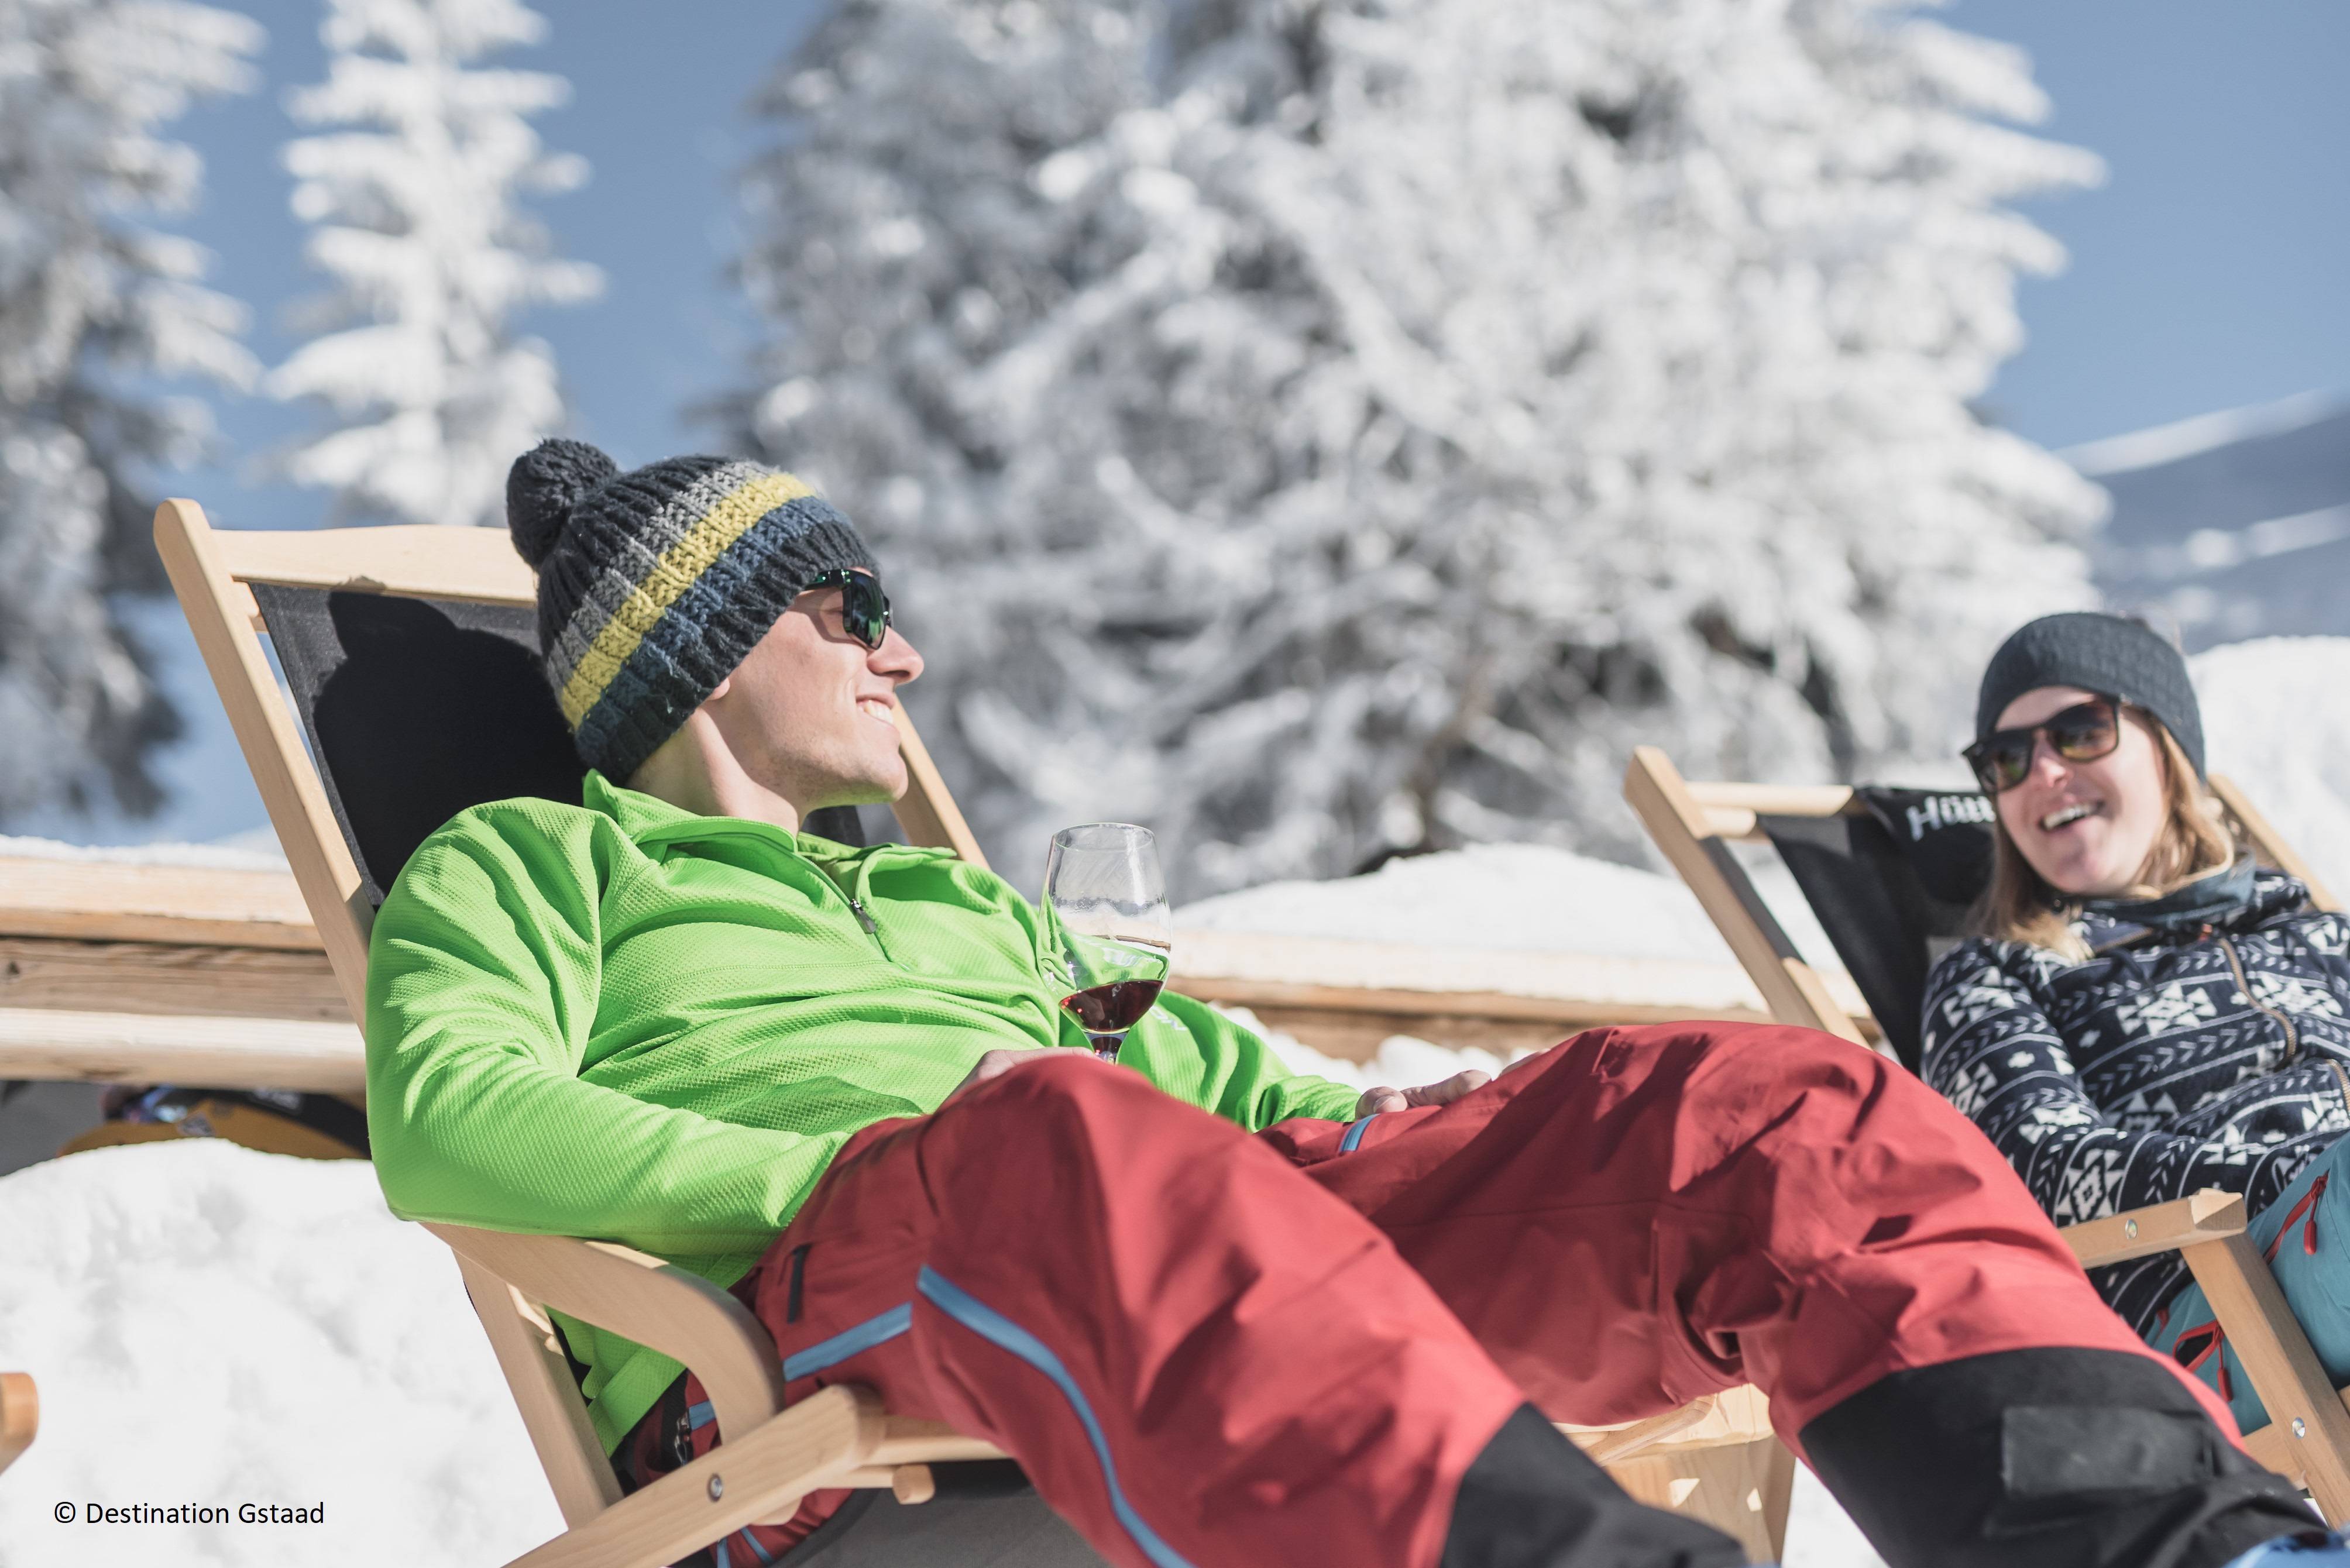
column 2084, row 732
column 866, row 611
column 2006, row 761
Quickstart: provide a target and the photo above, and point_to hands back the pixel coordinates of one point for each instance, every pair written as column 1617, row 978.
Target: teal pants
column 2305, row 1235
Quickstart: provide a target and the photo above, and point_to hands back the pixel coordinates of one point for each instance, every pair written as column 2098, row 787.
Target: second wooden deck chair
column 410, row 654
column 1890, row 874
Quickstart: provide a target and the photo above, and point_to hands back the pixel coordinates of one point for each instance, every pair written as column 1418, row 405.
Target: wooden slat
column 906, row 1440
column 684, row 1317
column 1740, row 1489
column 816, row 1443
column 418, row 560
column 552, row 1413
column 1773, row 1467
column 2274, row 1449
column 1604, row 1448
column 271, row 741
column 1777, row 800
column 1791, row 988
column 2284, row 1369
column 104, row 900
column 1733, row 824
column 20, row 1414
column 928, row 813
column 169, row 979
column 2267, row 842
column 143, row 1048
column 1727, row 1419
column 2205, row 1216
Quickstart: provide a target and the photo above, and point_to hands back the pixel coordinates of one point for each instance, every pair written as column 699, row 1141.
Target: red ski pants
column 1208, row 1347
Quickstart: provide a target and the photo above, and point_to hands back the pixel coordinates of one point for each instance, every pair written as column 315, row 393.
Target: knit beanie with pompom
column 653, row 585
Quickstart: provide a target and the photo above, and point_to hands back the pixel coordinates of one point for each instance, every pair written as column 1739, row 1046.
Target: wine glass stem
column 1106, row 1046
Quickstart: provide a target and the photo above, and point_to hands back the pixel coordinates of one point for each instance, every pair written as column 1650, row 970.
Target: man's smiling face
column 810, row 711
column 2089, row 827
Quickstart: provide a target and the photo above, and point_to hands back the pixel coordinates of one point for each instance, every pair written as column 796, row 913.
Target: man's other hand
column 1383, row 1098
column 997, row 1063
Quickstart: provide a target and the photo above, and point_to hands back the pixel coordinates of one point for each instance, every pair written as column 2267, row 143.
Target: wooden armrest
column 20, row 1414
column 2207, row 1216
column 684, row 1317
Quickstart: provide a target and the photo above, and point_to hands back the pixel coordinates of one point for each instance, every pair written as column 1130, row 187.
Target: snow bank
column 2276, row 718
column 1512, row 898
column 256, row 851
column 215, row 1326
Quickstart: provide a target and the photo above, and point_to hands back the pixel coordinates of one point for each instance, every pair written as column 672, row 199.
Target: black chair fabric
column 1888, row 887
column 416, row 709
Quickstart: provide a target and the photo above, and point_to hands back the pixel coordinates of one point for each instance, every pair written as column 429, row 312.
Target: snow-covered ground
column 1508, row 896
column 2276, row 718
column 213, row 1325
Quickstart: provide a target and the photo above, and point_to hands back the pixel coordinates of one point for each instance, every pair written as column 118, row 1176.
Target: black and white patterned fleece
column 2166, row 1064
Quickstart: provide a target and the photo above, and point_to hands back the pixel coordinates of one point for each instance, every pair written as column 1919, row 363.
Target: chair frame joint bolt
column 2130, row 1228
column 718, row 1484
column 2300, row 1427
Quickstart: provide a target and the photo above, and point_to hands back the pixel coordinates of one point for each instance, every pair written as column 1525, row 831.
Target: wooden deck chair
column 1890, row 874
column 20, row 1414
column 403, row 648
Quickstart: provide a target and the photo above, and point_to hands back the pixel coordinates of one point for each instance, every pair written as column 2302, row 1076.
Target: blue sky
column 2207, row 273
column 2212, row 270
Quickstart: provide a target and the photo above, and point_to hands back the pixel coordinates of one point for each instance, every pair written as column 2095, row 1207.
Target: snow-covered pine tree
column 430, row 392
column 1320, row 426
column 93, row 307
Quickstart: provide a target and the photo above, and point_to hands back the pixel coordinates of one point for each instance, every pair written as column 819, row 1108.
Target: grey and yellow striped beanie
column 653, row 585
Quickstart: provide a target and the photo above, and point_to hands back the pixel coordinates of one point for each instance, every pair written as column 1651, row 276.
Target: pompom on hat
column 654, row 584
column 2101, row 653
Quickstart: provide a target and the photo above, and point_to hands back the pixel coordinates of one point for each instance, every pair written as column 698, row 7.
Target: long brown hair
column 2019, row 907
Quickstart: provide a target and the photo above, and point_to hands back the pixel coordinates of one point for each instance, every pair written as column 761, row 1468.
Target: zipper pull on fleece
column 862, row 918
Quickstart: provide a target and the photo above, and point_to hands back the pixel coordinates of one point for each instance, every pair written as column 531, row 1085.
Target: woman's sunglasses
column 864, row 607
column 2081, row 734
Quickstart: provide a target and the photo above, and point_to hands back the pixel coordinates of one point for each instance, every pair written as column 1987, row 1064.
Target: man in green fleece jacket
column 838, row 1081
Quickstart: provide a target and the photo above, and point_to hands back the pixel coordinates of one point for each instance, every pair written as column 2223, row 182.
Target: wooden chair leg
column 1741, row 1488
column 1777, row 1490
column 20, row 1414
column 2284, row 1369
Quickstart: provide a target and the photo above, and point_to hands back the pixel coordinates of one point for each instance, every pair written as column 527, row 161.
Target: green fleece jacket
column 622, row 1021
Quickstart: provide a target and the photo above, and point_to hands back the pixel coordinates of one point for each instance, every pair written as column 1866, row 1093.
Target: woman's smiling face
column 2088, row 828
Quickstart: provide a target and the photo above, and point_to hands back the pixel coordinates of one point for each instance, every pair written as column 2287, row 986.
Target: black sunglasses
column 2081, row 734
column 864, row 607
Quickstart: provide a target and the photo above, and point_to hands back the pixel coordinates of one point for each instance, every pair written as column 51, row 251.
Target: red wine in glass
column 1111, row 1009
column 1105, row 912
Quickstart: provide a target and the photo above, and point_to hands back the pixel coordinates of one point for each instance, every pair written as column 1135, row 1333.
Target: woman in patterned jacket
column 2145, row 1014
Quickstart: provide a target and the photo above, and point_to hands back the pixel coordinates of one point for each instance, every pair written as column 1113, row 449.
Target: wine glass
column 1106, row 911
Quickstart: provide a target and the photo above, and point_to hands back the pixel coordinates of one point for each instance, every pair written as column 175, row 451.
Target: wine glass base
column 1106, row 1046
